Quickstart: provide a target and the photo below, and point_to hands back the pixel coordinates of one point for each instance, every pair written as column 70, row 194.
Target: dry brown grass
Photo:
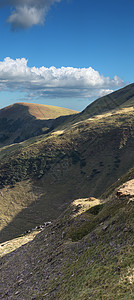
column 81, row 205
column 41, row 111
column 11, row 245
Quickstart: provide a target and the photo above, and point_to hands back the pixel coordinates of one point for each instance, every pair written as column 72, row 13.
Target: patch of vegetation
column 82, row 163
column 75, row 155
column 94, row 210
column 94, row 173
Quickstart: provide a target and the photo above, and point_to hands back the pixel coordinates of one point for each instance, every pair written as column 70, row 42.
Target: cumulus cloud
column 26, row 13
column 55, row 82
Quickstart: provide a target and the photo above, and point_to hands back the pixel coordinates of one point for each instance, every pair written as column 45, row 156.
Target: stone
column 105, row 227
column 63, row 234
column 16, row 293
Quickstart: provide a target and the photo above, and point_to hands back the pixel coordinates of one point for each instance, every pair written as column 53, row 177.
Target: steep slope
column 126, row 177
column 86, row 255
column 122, row 98
column 21, row 121
column 52, row 171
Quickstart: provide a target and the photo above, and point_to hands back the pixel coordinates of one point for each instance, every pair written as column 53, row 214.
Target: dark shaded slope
column 17, row 125
column 22, row 121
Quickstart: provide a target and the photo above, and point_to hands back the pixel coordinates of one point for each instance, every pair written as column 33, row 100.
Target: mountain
column 66, row 203
column 21, row 121
column 42, row 175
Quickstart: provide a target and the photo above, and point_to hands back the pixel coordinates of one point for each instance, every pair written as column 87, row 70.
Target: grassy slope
column 83, row 256
column 127, row 176
column 120, row 99
column 81, row 162
column 41, row 111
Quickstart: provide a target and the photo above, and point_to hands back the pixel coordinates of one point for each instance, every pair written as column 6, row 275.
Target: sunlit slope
column 44, row 112
column 82, row 161
column 122, row 98
column 82, row 255
column 39, row 111
column 21, row 121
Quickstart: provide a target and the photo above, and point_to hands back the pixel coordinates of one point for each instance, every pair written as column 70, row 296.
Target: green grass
column 105, row 268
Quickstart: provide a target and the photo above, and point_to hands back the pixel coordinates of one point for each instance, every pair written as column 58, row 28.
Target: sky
column 64, row 52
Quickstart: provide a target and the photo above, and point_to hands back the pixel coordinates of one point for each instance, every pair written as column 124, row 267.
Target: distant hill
column 21, row 121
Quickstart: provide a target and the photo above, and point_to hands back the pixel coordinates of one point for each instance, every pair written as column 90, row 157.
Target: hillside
column 124, row 97
column 46, row 174
column 66, row 202
column 87, row 253
column 21, row 121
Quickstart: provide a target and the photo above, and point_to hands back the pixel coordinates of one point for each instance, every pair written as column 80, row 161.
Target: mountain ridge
column 122, row 98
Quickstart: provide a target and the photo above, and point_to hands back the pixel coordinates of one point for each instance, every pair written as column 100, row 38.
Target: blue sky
column 64, row 52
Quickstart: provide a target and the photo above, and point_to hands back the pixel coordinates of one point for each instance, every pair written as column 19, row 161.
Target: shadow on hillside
column 46, row 208
column 55, row 195
column 18, row 125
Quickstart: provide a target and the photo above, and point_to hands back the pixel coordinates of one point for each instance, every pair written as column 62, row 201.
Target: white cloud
column 55, row 82
column 104, row 92
column 26, row 13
